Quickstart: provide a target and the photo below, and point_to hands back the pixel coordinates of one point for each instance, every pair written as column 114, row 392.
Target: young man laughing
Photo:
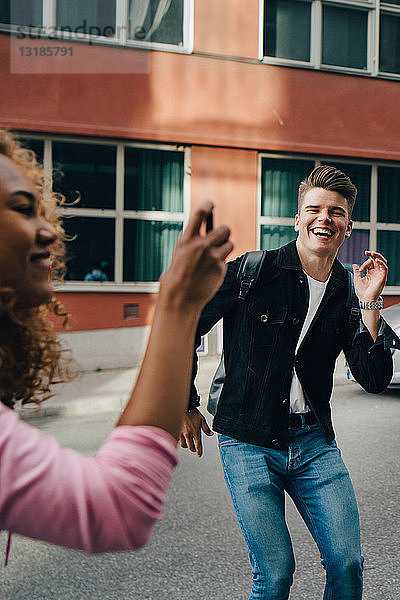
column 273, row 418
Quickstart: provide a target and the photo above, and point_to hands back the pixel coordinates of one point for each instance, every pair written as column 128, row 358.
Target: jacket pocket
column 266, row 322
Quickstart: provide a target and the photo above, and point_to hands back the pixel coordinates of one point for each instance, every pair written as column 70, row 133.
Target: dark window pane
column 156, row 21
column 344, row 37
column 21, row 12
column 388, row 245
column 274, row 236
column 153, row 180
column 389, row 194
column 280, row 182
column 352, row 249
column 89, row 169
column 33, row 144
column 94, row 17
column 92, row 248
column 287, row 29
column 389, row 43
column 360, row 175
column 148, row 248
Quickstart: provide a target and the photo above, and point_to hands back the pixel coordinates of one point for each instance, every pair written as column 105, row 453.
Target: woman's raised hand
column 198, row 264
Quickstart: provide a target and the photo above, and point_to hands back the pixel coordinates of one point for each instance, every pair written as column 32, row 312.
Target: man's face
column 322, row 222
column 25, row 238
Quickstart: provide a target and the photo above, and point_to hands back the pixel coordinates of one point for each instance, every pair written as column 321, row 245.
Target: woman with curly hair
column 109, row 502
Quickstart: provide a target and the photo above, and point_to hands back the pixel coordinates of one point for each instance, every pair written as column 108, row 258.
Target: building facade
column 144, row 108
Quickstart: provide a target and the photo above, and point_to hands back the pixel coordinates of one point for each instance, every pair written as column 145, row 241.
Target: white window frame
column 374, row 8
column 373, row 226
column 121, row 21
column 119, row 214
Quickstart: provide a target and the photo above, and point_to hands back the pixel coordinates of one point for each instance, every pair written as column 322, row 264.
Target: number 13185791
column 46, row 50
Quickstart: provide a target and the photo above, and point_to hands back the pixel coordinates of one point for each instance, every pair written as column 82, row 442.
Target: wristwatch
column 376, row 305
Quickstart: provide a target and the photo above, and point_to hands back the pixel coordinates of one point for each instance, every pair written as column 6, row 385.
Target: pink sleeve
column 100, row 504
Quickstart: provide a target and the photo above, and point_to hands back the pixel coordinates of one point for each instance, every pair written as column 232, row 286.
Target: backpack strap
column 353, row 312
column 249, row 271
column 247, row 277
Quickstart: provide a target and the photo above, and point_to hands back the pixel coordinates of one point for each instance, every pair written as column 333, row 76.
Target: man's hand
column 370, row 287
column 193, row 424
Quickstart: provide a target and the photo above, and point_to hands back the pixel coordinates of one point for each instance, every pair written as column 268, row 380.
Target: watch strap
column 375, row 305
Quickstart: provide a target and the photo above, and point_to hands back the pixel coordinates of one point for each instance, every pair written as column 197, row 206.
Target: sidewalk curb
column 108, row 391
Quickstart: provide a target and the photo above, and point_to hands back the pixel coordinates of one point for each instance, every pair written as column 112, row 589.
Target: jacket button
column 275, row 443
column 301, row 279
column 285, row 401
column 264, row 318
column 296, row 321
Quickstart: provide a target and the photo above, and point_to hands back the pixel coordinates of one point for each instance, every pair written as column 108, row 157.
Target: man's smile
column 322, row 232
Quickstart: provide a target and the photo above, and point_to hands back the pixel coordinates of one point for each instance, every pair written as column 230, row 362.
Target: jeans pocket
column 224, row 440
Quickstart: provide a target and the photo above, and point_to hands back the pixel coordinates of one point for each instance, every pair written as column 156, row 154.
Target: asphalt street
column 197, row 552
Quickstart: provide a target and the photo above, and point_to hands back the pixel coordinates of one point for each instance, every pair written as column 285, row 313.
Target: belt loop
column 303, row 419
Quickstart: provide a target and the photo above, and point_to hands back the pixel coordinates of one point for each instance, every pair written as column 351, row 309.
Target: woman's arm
column 197, row 270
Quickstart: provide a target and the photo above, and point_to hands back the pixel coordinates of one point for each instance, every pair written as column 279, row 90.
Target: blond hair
column 329, row 178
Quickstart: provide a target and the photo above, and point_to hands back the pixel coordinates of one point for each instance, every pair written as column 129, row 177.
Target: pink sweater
column 100, row 504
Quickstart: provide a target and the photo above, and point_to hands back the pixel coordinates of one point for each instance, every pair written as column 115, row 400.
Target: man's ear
column 296, row 222
column 349, row 229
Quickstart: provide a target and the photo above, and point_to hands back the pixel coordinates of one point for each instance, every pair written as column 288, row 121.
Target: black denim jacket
column 260, row 338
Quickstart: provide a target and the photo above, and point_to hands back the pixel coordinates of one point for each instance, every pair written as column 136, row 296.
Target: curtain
column 21, row 12
column 275, row 236
column 352, row 249
column 153, row 180
column 388, row 195
column 388, row 245
column 344, row 37
column 148, row 248
column 280, row 183
column 138, row 11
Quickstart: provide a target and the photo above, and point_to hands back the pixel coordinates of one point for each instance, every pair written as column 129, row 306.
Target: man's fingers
column 369, row 263
column 382, row 265
column 356, row 272
column 206, row 428
column 196, row 219
column 182, row 441
column 376, row 255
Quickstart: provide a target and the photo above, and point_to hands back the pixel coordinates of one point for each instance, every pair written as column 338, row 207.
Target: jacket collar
column 288, row 258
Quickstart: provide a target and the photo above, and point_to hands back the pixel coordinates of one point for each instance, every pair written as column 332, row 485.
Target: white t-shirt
column 317, row 290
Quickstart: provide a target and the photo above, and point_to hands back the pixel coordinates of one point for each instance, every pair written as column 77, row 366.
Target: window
column 287, row 29
column 156, row 21
column 73, row 14
column 344, row 36
column 334, row 34
column 144, row 23
column 21, row 12
column 389, row 42
column 124, row 207
column 378, row 194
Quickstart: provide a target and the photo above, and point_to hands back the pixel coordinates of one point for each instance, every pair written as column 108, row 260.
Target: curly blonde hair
column 31, row 358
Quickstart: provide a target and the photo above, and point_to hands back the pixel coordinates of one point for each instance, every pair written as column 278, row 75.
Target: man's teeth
column 323, row 232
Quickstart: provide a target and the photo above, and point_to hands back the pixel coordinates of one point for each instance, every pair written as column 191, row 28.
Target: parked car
column 392, row 317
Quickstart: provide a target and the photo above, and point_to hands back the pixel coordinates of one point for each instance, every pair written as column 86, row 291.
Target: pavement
column 107, row 390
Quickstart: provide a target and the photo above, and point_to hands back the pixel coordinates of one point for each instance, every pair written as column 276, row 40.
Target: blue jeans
column 312, row 472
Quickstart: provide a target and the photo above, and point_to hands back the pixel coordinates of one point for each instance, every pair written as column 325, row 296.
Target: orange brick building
column 150, row 106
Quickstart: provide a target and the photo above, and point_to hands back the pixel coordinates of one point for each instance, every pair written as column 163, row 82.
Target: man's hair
column 329, row 178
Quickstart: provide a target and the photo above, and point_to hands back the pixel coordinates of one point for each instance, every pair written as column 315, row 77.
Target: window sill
column 281, row 62
column 54, row 36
